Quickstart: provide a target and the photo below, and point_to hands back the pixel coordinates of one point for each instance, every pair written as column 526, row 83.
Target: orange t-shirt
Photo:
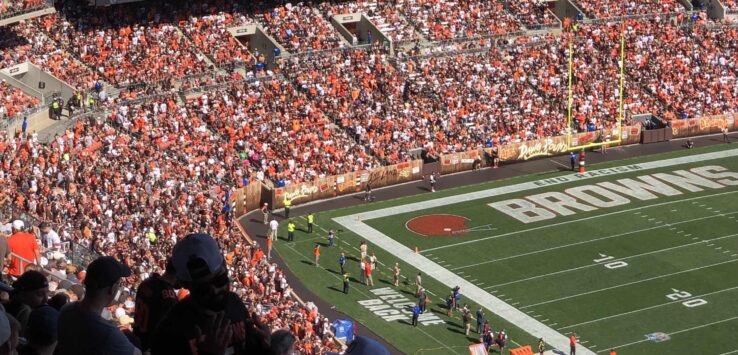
column 572, row 340
column 317, row 252
column 25, row 246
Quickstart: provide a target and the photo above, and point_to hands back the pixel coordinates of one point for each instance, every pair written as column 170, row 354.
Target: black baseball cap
column 31, row 280
column 104, row 272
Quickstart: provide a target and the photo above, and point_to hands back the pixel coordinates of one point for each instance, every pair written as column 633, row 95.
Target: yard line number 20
column 680, row 295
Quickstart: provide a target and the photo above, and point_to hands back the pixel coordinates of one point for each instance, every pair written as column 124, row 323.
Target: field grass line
column 589, row 241
column 630, row 283
column 648, row 308
column 730, row 352
column 613, row 260
column 305, row 257
column 678, row 332
column 576, row 220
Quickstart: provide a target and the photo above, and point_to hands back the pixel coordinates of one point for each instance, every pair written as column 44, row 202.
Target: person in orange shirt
column 316, row 251
column 612, row 352
column 23, row 245
column 573, row 344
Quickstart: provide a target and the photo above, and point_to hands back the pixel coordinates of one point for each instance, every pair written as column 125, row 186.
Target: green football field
column 638, row 255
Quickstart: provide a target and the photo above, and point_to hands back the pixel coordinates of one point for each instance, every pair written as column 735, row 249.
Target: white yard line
column 647, row 308
column 730, row 352
column 678, row 332
column 585, row 242
column 628, row 284
column 617, row 259
column 536, row 328
column 580, row 220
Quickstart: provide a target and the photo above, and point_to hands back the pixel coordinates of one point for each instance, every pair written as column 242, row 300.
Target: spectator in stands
column 49, row 238
column 155, row 297
column 42, row 332
column 82, row 319
column 24, row 245
column 30, row 291
column 212, row 319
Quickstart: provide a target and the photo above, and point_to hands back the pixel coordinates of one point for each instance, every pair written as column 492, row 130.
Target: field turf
column 654, row 276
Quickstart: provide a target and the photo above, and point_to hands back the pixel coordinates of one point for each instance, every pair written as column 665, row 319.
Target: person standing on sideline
column 450, row 304
column 432, row 180
column 501, row 340
column 573, row 160
column 291, row 231
column 346, row 283
column 24, row 126
column 311, row 219
column 362, row 270
column 421, row 300
column 269, row 248
column 480, row 320
column 396, row 275
column 418, row 284
column 273, row 227
column 287, row 206
column 362, row 248
column 612, row 352
column 416, row 314
column 316, row 252
column 725, row 133
column 342, row 262
column 466, row 317
column 368, row 271
column 265, row 211
column 541, row 346
column 331, row 236
column 573, row 344
column 373, row 261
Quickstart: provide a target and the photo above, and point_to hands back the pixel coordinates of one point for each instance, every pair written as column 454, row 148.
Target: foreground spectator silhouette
column 212, row 320
column 29, row 291
column 42, row 332
column 82, row 320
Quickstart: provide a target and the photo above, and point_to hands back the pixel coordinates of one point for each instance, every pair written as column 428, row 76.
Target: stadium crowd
column 105, row 190
column 447, row 19
column 23, row 42
column 158, row 166
column 385, row 14
column 19, row 6
column 615, row 8
column 299, row 27
column 14, row 101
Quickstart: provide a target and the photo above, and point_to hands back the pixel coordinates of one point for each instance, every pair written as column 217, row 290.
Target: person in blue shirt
column 416, row 314
column 25, row 124
column 342, row 262
column 573, row 159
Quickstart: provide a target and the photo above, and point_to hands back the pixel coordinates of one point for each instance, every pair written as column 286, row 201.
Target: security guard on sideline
column 291, row 231
column 287, row 205
column 55, row 110
column 311, row 219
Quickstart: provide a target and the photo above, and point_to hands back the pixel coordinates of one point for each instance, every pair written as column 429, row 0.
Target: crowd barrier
column 348, row 183
column 250, row 197
column 706, row 125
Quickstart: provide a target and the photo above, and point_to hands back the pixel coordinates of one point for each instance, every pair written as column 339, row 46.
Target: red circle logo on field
column 438, row 224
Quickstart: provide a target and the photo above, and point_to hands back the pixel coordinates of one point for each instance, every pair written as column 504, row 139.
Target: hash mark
column 651, row 219
column 680, row 232
column 515, row 304
column 673, row 210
